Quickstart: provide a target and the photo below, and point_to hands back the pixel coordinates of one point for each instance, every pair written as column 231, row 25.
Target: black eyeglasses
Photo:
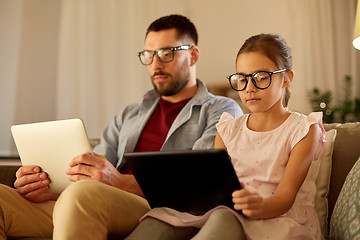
column 260, row 79
column 164, row 54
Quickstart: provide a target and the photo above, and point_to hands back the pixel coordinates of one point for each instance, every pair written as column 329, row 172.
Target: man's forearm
column 129, row 184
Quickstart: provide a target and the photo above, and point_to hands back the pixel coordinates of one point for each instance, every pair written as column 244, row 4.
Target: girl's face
column 258, row 100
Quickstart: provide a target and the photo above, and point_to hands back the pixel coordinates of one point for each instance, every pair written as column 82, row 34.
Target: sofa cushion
column 346, row 152
column 345, row 221
column 323, row 182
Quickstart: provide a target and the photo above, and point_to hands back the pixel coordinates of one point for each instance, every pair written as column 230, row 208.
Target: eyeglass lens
column 165, row 55
column 261, row 80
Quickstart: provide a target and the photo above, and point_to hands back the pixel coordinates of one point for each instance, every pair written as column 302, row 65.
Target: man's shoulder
column 218, row 99
column 219, row 104
column 206, row 96
column 221, row 98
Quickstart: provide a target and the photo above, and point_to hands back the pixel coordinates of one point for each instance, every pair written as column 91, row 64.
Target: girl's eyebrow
column 253, row 72
column 258, row 70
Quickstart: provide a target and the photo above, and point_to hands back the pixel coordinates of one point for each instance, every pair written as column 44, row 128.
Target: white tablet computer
column 51, row 145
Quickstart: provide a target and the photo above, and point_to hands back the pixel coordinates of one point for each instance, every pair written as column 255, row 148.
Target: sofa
column 338, row 185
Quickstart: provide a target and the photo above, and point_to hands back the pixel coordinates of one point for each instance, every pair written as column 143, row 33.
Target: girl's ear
column 289, row 76
column 195, row 53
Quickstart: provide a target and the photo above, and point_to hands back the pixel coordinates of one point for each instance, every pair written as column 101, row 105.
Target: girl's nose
column 250, row 86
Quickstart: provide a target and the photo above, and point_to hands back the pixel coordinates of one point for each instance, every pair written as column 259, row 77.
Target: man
column 178, row 114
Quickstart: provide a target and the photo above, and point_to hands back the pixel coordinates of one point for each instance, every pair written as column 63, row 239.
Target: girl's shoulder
column 302, row 120
column 302, row 123
column 226, row 119
column 228, row 126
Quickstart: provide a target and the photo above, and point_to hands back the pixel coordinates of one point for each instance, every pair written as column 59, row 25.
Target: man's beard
column 174, row 86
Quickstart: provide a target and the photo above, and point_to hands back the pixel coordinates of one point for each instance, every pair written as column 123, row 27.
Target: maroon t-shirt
column 155, row 131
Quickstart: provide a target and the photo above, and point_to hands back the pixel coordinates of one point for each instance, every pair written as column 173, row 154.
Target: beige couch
column 341, row 153
column 345, row 153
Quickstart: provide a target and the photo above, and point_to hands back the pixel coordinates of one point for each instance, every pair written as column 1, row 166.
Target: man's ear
column 195, row 54
column 289, row 76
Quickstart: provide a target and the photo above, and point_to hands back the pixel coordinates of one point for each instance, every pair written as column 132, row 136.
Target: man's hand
column 96, row 167
column 32, row 184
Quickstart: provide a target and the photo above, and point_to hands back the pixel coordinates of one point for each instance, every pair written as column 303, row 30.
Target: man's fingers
column 87, row 159
column 31, row 187
column 80, row 172
column 40, row 195
column 78, row 177
column 24, row 170
column 28, row 179
column 35, row 193
column 80, row 169
column 98, row 155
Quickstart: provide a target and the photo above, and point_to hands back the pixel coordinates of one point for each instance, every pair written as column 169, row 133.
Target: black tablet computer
column 188, row 181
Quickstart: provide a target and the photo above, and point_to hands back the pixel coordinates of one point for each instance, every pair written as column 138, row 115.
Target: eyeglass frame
column 156, row 52
column 253, row 80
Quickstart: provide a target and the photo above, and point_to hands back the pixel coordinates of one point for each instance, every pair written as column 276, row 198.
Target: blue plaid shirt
column 193, row 128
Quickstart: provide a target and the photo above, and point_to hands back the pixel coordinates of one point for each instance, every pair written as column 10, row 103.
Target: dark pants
column 222, row 224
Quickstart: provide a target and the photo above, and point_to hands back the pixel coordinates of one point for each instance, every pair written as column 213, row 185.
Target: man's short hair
column 183, row 26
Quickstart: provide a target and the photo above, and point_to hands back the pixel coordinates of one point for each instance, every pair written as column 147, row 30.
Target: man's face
column 168, row 78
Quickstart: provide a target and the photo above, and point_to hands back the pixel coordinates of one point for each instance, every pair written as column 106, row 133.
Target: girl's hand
column 250, row 203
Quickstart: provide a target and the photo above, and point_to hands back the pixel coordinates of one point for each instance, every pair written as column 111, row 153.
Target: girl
column 274, row 153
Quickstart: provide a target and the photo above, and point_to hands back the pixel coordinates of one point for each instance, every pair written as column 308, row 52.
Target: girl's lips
column 252, row 100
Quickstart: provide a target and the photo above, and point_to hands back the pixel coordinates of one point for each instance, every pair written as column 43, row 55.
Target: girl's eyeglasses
column 260, row 79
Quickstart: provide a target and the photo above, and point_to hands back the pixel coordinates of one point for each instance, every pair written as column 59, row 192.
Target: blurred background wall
column 78, row 58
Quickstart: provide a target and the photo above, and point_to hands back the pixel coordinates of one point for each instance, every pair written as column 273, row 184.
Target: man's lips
column 160, row 78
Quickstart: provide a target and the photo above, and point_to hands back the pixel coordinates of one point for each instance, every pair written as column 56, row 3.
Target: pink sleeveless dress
column 259, row 159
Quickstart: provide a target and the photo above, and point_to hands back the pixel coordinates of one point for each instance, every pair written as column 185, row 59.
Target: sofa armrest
column 7, row 174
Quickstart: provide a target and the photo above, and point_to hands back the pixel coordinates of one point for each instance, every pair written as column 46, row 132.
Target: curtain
column 78, row 58
column 97, row 62
column 99, row 73
column 323, row 54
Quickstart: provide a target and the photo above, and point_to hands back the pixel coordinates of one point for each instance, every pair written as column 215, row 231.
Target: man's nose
column 156, row 64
